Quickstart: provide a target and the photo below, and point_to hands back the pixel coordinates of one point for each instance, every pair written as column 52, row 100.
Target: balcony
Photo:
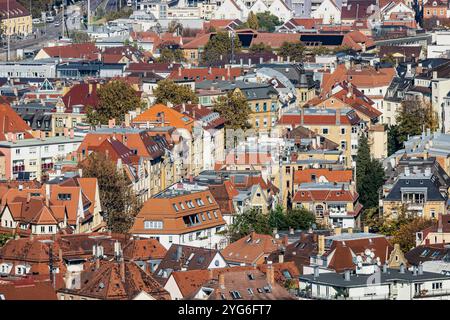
column 47, row 166
column 18, row 168
column 438, row 294
column 337, row 212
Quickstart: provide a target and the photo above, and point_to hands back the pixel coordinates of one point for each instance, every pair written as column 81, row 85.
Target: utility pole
column 9, row 34
column 88, row 12
column 62, row 18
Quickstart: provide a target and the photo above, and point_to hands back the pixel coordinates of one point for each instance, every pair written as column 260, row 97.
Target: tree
column 405, row 236
column 248, row 221
column 259, row 48
column 220, row 45
column 119, row 202
column 168, row 55
column 267, row 21
column 115, row 99
column 295, row 51
column 234, row 109
column 175, row 27
column 252, row 21
column 169, row 91
column 369, row 175
column 321, row 50
column 80, row 37
column 4, row 238
column 255, row 220
column 414, row 117
column 393, row 139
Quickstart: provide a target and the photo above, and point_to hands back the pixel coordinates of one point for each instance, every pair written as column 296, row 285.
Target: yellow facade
column 17, row 25
column 429, row 209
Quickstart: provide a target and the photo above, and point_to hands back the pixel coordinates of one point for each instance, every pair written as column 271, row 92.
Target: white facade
column 281, row 10
column 205, row 238
column 328, row 12
column 36, row 155
column 259, row 7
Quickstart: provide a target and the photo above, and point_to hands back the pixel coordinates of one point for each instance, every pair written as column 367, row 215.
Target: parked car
column 36, row 20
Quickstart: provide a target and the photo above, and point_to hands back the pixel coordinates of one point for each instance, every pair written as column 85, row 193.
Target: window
column 209, row 215
column 209, row 199
column 235, row 295
column 170, row 239
column 325, row 131
column 17, row 151
column 153, row 224
column 50, row 228
column 437, row 285
column 203, row 216
column 42, row 229
column 215, row 214
column 64, row 196
column 61, row 147
column 342, row 130
column 182, row 205
column 250, row 291
column 175, row 207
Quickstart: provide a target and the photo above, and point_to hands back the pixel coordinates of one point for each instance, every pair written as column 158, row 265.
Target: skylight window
column 235, row 295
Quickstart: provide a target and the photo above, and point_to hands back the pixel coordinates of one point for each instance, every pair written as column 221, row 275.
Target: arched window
column 319, row 210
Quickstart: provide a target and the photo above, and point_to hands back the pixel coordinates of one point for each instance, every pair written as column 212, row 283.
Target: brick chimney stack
column 222, row 281
column 270, row 274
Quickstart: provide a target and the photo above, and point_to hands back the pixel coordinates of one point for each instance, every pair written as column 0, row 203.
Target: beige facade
column 428, row 210
column 17, row 25
column 377, row 139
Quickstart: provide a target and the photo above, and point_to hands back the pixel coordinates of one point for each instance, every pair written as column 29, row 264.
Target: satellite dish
column 378, row 259
column 359, row 264
column 368, row 260
column 372, row 255
column 367, row 252
column 359, row 258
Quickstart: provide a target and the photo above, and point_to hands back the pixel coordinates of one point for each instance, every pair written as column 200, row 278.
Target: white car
column 36, row 20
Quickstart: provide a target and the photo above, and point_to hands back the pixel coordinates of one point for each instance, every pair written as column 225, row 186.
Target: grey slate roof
column 424, row 183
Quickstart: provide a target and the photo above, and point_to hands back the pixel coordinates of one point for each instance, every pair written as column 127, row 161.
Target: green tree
column 252, row 21
column 414, row 117
column 4, row 238
column 175, row 27
column 267, row 21
column 248, row 221
column 255, row 220
column 115, row 99
column 369, row 175
column 295, row 51
column 119, row 202
column 220, row 45
column 169, row 55
column 235, row 109
column 80, row 37
column 259, row 48
column 393, row 139
column 169, row 91
column 301, row 219
column 321, row 50
column 405, row 236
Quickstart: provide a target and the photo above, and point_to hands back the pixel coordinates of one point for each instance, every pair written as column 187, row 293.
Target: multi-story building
column 181, row 214
column 15, row 18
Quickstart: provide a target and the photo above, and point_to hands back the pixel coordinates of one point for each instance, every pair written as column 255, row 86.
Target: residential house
column 438, row 233
column 328, row 11
column 114, row 280
column 253, row 249
column 186, row 258
column 181, row 216
column 16, row 19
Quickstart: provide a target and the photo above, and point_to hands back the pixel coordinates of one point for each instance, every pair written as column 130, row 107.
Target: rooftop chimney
column 347, row 275
column 420, row 268
column 402, row 268
column 338, row 116
column 385, row 267
column 321, row 245
column 270, row 275
column 111, row 123
column 280, row 258
column 122, row 270
column 316, row 271
column 440, row 224
column 337, row 231
column 179, row 252
column 222, row 280
column 366, row 229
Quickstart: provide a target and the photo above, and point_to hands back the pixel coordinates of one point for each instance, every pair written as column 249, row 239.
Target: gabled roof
column 11, row 122
column 305, row 175
column 158, row 112
column 250, row 249
column 107, row 283
column 87, row 51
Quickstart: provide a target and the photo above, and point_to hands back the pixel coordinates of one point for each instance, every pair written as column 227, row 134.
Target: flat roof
column 362, row 280
column 39, row 142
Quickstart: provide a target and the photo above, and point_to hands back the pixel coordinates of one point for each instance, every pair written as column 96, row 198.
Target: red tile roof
column 87, row 51
column 11, row 122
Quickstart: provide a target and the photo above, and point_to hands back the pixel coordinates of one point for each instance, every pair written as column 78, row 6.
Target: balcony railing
column 431, row 293
column 47, row 166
